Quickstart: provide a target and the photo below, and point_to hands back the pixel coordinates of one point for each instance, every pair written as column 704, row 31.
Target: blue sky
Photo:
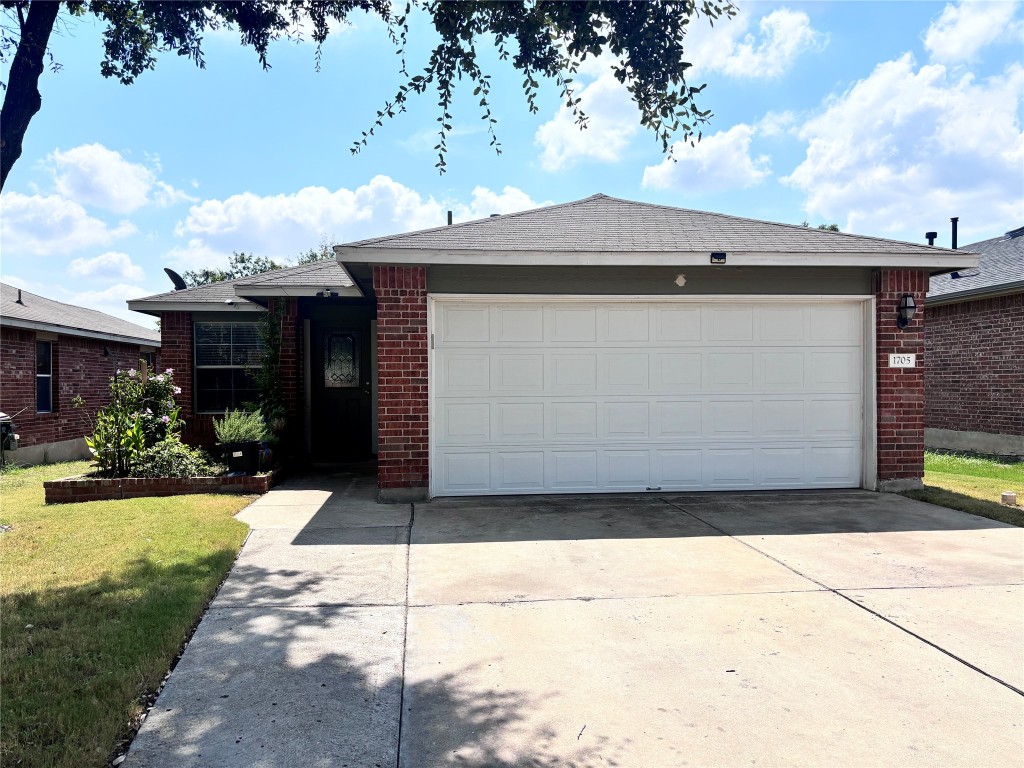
column 885, row 118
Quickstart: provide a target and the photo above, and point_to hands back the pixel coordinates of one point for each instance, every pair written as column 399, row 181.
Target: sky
column 886, row 118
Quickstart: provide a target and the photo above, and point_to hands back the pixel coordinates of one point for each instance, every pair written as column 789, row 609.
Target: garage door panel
column 729, row 371
column 570, row 324
column 728, row 323
column 677, row 419
column 571, row 470
column 625, row 469
column 518, row 324
column 625, row 324
column 626, row 420
column 782, row 324
column 727, row 468
column 518, row 373
column 465, row 324
column 677, row 324
column 634, row 395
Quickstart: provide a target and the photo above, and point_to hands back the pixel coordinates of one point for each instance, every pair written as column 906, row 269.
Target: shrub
column 240, row 427
column 173, row 458
column 142, row 413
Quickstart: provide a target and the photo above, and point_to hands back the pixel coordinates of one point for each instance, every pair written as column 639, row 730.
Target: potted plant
column 240, row 434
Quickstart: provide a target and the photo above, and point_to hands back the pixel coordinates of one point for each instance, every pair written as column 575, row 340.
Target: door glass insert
column 341, row 359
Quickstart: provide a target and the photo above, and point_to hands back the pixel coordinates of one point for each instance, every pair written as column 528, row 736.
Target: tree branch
column 22, row 100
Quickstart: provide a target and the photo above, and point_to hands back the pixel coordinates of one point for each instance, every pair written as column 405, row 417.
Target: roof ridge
column 462, row 224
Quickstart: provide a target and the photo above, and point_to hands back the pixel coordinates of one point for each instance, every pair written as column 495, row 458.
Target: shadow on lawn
column 77, row 660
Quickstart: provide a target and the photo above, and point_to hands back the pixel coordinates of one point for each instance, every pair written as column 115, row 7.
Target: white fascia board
column 295, row 291
column 369, row 255
column 63, row 330
column 158, row 307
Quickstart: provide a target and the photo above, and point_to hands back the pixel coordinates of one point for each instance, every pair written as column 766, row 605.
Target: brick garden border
column 74, row 489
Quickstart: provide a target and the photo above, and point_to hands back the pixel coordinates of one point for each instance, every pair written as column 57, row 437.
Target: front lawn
column 95, row 601
column 973, row 484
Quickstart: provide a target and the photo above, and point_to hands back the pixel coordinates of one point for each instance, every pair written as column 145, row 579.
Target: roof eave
column 429, row 256
column 64, row 330
column 972, row 294
column 157, row 308
column 295, row 291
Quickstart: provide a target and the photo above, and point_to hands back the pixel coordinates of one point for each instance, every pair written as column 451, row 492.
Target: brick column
column 176, row 353
column 402, row 431
column 900, row 448
column 291, row 371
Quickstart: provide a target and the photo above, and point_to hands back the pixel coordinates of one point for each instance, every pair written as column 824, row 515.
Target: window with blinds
column 226, row 357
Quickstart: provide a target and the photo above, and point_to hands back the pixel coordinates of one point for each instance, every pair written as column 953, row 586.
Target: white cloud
column 613, row 121
column 729, row 48
column 112, row 265
column 281, row 226
column 907, row 147
column 93, row 175
column 719, row 163
column 962, row 30
column 776, row 124
column 45, row 224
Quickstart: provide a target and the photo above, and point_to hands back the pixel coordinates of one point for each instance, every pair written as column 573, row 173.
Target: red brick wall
column 900, row 390
column 291, row 371
column 80, row 368
column 402, row 433
column 974, row 379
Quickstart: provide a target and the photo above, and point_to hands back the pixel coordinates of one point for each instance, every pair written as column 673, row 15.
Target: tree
column 322, row 252
column 823, row 227
column 239, row 265
column 541, row 39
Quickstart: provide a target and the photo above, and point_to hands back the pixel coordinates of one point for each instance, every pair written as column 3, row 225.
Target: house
column 595, row 346
column 50, row 353
column 974, row 378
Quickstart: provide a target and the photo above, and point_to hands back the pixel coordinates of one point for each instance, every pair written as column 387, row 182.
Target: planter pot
column 243, row 458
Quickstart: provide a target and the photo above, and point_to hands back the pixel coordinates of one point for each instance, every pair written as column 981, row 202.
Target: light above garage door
column 543, row 395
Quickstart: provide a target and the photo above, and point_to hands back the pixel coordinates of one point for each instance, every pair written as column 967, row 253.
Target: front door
column 340, row 375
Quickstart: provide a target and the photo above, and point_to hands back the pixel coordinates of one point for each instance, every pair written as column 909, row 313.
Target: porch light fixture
column 326, row 293
column 906, row 311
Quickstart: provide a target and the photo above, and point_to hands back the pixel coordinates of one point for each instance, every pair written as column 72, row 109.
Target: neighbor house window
column 226, row 357
column 149, row 358
column 44, row 376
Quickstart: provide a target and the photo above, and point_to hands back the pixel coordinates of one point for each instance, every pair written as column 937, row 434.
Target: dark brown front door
column 340, row 385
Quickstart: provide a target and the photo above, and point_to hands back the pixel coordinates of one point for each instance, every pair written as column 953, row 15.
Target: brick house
column 974, row 377
column 51, row 352
column 595, row 346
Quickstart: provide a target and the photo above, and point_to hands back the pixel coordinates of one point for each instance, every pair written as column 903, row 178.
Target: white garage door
column 569, row 396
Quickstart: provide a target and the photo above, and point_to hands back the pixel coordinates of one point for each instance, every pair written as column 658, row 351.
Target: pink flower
column 169, row 371
column 165, row 419
column 131, row 373
column 177, row 390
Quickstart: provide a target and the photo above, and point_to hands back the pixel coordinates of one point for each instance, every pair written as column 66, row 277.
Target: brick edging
column 70, row 490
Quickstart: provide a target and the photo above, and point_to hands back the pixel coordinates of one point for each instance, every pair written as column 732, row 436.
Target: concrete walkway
column 841, row 629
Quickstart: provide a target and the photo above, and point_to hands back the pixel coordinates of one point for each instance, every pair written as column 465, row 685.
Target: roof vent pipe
column 931, row 237
column 19, row 301
column 495, row 215
column 954, row 220
column 449, row 218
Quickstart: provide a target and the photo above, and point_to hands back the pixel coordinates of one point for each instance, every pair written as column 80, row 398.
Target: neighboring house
column 51, row 352
column 596, row 346
column 974, row 379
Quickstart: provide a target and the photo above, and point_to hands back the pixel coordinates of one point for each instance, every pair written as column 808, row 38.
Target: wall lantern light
column 327, row 293
column 906, row 311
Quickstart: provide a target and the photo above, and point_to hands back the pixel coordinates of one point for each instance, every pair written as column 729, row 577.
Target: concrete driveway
column 841, row 629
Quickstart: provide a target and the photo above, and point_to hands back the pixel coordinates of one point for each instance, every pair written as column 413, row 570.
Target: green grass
column 95, row 601
column 973, row 484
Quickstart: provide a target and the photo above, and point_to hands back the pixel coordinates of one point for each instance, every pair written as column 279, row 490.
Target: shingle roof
column 602, row 223
column 327, row 272
column 1000, row 268
column 68, row 318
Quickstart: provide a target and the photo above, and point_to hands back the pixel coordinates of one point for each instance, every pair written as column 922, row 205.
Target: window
column 150, row 359
column 226, row 356
column 44, row 376
column 341, row 360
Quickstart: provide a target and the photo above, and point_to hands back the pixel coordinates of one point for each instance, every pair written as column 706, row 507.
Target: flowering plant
column 141, row 414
